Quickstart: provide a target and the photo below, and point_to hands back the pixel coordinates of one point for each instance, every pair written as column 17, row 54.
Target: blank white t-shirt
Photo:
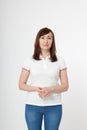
column 43, row 73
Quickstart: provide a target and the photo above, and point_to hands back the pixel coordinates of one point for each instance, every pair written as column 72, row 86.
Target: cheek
column 40, row 44
column 50, row 45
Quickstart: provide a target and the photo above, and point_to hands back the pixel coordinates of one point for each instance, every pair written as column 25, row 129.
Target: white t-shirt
column 43, row 73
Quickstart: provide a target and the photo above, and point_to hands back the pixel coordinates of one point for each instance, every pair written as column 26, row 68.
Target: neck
column 45, row 53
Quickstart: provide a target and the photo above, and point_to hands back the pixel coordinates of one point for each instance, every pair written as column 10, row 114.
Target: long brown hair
column 37, row 49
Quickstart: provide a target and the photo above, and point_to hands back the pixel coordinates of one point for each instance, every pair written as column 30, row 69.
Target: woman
column 49, row 79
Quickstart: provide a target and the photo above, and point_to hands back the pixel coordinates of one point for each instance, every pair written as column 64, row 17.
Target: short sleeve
column 26, row 64
column 62, row 64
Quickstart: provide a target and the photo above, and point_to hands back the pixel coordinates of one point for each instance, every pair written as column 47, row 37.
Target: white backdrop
column 20, row 20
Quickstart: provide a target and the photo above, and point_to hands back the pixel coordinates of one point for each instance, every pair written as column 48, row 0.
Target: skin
column 45, row 45
column 45, row 42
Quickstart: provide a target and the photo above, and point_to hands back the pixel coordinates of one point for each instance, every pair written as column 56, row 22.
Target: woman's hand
column 45, row 92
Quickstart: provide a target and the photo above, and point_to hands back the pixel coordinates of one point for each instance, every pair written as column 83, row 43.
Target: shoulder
column 27, row 62
column 61, row 62
column 60, row 58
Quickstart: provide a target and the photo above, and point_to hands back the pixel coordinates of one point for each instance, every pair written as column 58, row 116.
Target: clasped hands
column 44, row 92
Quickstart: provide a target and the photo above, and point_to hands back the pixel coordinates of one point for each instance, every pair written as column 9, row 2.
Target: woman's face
column 45, row 41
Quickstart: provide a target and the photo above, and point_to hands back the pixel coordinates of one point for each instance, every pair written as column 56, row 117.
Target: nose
column 46, row 40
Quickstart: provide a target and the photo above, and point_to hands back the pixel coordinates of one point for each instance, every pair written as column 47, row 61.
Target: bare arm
column 64, row 85
column 58, row 88
column 23, row 81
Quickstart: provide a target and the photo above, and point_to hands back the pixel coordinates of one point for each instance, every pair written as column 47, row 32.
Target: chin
column 46, row 48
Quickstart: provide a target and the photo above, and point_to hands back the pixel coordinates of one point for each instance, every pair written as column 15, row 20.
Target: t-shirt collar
column 47, row 57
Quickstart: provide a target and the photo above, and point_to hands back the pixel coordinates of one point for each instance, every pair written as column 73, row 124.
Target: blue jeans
column 51, row 115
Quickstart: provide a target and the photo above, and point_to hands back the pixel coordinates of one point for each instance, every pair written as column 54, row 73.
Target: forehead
column 48, row 34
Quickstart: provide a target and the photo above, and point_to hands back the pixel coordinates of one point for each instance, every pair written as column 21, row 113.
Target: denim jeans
column 51, row 115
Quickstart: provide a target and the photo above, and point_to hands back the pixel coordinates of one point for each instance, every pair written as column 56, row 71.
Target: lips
column 45, row 45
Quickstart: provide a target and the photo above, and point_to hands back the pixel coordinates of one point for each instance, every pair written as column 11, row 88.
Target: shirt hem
column 44, row 104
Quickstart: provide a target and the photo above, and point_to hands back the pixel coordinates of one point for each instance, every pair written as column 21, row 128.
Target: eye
column 42, row 37
column 49, row 37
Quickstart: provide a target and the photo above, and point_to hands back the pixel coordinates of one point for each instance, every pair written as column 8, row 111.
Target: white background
column 20, row 20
